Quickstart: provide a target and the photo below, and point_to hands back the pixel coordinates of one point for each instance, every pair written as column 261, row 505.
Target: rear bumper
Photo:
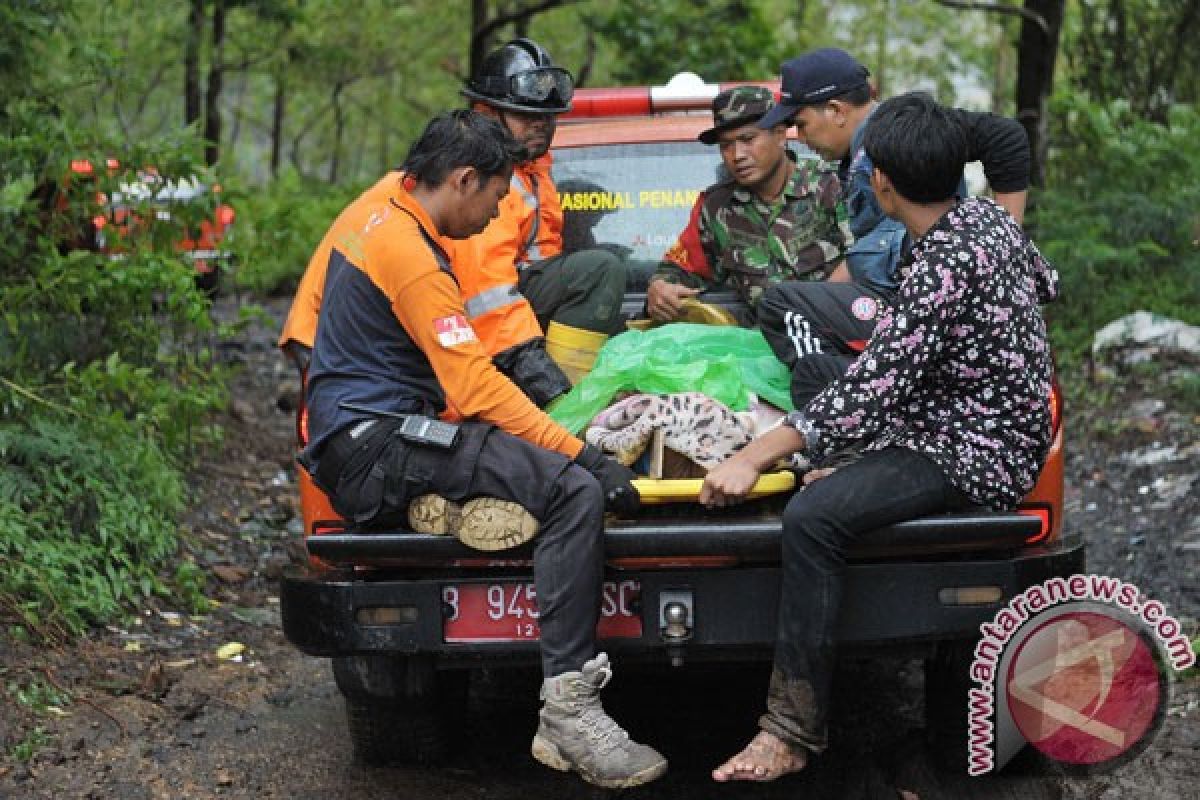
column 889, row 603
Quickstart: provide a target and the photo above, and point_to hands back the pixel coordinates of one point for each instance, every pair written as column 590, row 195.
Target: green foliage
column 1120, row 218
column 37, row 695
column 189, row 580
column 106, row 379
column 86, row 512
column 280, row 226
column 1142, row 51
column 35, row 740
column 727, row 40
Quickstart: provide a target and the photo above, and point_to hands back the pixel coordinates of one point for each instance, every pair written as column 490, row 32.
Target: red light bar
column 616, row 102
column 684, row 92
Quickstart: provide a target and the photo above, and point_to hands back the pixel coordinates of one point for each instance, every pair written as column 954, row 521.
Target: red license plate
column 507, row 612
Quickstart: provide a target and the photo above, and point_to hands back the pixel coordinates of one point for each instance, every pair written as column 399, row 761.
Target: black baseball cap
column 812, row 79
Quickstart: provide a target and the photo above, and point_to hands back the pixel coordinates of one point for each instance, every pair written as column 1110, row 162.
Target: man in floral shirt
column 949, row 402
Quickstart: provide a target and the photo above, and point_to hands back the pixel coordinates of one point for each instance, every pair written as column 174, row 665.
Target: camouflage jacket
column 733, row 238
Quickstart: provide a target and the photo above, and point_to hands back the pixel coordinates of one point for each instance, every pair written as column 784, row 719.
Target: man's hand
column 619, row 495
column 664, row 300
column 728, row 483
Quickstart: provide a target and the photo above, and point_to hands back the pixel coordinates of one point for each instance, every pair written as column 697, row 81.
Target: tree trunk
column 339, row 127
column 479, row 41
column 191, row 62
column 212, row 97
column 278, row 111
column 385, row 129
column 1037, row 51
column 881, row 46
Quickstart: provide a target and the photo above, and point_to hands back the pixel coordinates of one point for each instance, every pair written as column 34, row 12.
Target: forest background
column 109, row 383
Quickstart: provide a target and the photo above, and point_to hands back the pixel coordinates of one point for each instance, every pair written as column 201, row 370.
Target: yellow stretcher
column 654, row 492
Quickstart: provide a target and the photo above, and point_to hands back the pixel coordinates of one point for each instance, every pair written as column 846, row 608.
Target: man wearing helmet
column 529, row 302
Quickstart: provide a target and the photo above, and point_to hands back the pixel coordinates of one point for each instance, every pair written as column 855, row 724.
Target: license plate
column 507, row 612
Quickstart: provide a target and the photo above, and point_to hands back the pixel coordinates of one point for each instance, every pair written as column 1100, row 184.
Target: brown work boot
column 484, row 523
column 575, row 733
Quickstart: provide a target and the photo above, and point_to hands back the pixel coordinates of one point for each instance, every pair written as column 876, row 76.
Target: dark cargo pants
column 817, row 329
column 385, row 472
column 819, row 524
column 583, row 290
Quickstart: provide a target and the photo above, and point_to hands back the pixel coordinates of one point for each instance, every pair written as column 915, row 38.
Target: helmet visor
column 542, row 84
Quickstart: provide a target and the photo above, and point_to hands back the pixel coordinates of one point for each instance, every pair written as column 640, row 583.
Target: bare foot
column 766, row 758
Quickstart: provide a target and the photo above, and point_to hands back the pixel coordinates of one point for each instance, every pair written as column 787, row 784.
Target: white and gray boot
column 575, row 732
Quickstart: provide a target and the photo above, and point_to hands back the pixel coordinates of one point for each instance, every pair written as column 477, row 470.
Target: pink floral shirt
column 959, row 367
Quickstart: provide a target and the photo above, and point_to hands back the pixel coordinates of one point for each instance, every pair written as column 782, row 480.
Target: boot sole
column 483, row 523
column 547, row 753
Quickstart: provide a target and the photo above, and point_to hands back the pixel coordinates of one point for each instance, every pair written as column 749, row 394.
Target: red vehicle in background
column 127, row 204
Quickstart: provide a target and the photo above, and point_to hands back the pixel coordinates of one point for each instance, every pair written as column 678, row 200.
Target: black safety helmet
column 521, row 77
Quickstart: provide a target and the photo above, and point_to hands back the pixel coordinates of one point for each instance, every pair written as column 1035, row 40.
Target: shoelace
column 594, row 722
column 602, row 729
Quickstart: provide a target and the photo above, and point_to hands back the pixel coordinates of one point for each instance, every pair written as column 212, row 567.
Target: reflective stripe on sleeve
column 532, row 251
column 491, row 299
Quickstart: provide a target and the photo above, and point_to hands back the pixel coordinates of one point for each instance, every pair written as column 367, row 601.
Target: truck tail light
column 1043, row 512
column 970, row 596
column 302, row 425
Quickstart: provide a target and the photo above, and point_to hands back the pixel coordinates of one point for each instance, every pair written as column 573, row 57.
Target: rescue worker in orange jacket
column 525, row 297
column 392, row 350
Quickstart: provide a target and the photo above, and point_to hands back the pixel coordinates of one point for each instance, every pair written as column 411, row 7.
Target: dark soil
column 154, row 712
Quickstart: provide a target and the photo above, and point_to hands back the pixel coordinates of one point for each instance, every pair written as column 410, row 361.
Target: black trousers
column 820, row 522
column 385, row 472
column 813, row 326
column 582, row 289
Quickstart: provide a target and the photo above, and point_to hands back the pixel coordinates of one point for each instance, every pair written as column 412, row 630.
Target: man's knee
column 600, row 268
column 813, row 372
column 580, row 491
column 812, row 532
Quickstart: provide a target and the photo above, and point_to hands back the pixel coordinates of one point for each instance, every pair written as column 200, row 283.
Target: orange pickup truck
column 405, row 617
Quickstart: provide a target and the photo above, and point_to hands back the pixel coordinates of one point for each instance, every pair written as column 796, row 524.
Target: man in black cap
column 818, row 329
column 773, row 220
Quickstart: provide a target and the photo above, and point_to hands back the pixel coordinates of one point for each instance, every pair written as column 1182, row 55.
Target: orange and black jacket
column 394, row 334
column 301, row 323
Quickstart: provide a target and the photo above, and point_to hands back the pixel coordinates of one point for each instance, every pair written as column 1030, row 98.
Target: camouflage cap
column 738, row 106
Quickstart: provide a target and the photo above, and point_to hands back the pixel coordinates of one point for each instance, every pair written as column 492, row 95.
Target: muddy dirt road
column 150, row 711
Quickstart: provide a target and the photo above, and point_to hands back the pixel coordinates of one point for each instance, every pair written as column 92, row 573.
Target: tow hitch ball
column 676, row 619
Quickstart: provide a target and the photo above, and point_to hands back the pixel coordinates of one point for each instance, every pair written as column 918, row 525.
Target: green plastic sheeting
column 726, row 363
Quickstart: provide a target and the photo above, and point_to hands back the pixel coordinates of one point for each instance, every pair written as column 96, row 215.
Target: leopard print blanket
column 693, row 425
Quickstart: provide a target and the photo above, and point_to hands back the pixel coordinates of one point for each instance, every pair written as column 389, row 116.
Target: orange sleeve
column 301, row 323
column 550, row 213
column 430, row 306
column 489, row 260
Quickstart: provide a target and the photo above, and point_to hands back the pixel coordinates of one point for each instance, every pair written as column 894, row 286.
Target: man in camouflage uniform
column 774, row 220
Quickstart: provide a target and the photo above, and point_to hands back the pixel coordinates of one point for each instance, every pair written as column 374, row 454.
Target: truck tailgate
column 752, row 538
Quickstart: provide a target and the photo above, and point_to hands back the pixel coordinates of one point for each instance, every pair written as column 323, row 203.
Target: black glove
column 530, row 367
column 619, row 494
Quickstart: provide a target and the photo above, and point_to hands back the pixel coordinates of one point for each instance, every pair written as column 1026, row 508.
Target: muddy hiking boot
column 575, row 733
column 484, row 523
